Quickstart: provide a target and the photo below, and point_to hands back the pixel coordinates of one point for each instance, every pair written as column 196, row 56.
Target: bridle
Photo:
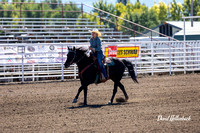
column 75, row 57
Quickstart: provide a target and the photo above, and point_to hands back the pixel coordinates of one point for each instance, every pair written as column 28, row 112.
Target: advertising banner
column 125, row 51
column 33, row 54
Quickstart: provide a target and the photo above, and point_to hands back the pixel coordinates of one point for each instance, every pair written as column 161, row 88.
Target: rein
column 75, row 57
column 80, row 74
column 80, row 59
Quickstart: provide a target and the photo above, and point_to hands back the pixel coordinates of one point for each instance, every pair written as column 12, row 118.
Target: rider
column 95, row 46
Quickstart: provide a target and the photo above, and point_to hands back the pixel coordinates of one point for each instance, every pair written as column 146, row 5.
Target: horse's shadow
column 97, row 105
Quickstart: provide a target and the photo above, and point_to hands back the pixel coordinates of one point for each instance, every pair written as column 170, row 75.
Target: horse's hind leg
column 114, row 92
column 121, row 86
column 85, row 95
column 77, row 95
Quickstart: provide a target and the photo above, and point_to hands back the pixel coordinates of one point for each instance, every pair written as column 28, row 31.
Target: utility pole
column 191, row 13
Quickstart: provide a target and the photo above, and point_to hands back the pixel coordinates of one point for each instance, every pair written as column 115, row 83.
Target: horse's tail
column 131, row 71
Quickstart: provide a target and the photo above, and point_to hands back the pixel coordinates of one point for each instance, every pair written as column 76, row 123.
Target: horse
column 88, row 71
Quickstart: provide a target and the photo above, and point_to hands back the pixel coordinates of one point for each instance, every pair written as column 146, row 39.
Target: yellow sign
column 122, row 52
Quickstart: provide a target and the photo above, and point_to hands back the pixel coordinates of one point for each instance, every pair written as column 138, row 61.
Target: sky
column 148, row 3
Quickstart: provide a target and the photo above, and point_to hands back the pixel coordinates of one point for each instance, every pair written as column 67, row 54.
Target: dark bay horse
column 88, row 71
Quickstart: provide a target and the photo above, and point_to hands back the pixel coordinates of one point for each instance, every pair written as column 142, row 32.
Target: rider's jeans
column 102, row 67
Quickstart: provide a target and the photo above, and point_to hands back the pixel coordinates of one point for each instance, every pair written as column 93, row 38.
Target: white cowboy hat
column 96, row 31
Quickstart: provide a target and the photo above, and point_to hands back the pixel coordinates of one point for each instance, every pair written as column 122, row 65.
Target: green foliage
column 1, row 13
column 176, row 11
column 124, row 2
column 140, row 14
column 39, row 10
column 163, row 12
column 143, row 16
column 135, row 12
column 71, row 7
column 103, row 5
column 53, row 6
column 187, row 7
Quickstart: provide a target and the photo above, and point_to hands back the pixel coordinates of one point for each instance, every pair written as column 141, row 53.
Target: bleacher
column 45, row 31
column 54, row 30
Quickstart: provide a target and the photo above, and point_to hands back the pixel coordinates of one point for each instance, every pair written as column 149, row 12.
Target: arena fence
column 42, row 61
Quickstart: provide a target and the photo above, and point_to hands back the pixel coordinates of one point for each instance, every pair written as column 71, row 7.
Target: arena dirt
column 48, row 108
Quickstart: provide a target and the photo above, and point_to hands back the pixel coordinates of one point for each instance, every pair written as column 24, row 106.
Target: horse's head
column 74, row 56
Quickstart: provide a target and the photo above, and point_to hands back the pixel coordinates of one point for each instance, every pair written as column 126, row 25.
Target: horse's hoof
column 127, row 98
column 109, row 103
column 75, row 100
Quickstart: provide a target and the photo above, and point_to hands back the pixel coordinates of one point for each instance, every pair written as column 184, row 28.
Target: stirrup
column 103, row 79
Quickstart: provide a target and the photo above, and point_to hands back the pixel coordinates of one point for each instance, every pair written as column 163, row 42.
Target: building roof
column 195, row 30
column 189, row 31
column 180, row 23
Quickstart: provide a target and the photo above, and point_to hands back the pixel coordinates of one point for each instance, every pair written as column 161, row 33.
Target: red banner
column 112, row 51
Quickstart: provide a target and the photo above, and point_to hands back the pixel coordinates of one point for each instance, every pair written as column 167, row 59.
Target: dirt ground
column 48, row 108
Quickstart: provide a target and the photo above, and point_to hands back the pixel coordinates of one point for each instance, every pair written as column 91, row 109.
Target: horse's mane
column 82, row 50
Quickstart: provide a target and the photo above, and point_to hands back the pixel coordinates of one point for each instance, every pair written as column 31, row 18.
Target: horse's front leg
column 77, row 95
column 114, row 92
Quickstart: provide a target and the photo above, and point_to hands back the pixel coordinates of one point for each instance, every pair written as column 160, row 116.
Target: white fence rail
column 169, row 57
column 31, row 62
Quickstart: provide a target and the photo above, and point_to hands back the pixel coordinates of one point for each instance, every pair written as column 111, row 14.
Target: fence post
column 62, row 64
column 22, row 67
column 152, row 60
column 33, row 72
column 136, row 62
column 134, row 31
column 21, row 50
column 74, row 71
column 170, row 60
column 184, row 48
column 184, row 57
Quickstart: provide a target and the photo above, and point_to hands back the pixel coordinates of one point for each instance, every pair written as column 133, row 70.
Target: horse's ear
column 70, row 48
column 74, row 48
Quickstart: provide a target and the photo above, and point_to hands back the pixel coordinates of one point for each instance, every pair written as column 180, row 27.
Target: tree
column 7, row 14
column 120, row 10
column 1, row 12
column 92, row 18
column 123, row 1
column 54, row 3
column 163, row 12
column 140, row 14
column 176, row 11
column 153, row 19
column 103, row 5
column 71, row 7
column 187, row 7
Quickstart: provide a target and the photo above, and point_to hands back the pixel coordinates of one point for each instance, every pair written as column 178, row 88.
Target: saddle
column 108, row 62
column 99, row 74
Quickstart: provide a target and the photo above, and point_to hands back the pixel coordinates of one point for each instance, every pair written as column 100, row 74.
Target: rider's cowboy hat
column 95, row 31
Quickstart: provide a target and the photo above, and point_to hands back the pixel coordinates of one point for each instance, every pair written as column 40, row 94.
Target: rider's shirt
column 96, row 43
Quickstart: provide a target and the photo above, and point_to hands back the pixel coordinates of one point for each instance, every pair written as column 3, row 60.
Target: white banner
column 33, row 54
